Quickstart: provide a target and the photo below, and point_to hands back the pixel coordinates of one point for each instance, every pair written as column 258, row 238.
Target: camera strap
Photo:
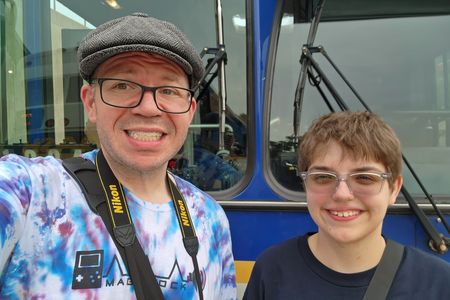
column 105, row 197
column 190, row 240
column 384, row 275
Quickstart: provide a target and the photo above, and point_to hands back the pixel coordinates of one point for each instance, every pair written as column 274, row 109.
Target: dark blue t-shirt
column 290, row 271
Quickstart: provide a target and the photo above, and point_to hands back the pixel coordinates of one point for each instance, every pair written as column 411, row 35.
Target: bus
column 390, row 57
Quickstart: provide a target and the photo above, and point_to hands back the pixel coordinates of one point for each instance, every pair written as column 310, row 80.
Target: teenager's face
column 142, row 138
column 341, row 216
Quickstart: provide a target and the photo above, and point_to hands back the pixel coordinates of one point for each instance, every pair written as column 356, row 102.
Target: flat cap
column 138, row 33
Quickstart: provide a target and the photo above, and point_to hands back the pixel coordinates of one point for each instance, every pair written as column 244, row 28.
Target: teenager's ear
column 395, row 189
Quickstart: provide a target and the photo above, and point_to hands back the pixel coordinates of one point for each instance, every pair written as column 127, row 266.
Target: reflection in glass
column 400, row 67
column 41, row 112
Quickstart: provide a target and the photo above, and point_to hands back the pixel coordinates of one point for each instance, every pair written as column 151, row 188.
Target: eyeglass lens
column 358, row 183
column 123, row 93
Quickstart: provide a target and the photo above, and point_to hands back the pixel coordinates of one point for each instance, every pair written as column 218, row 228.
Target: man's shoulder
column 187, row 188
column 200, row 200
column 17, row 162
column 90, row 155
column 23, row 159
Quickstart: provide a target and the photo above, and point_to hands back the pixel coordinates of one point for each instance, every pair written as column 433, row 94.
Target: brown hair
column 362, row 135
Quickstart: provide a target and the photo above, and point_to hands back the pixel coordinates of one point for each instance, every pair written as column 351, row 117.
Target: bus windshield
column 401, row 70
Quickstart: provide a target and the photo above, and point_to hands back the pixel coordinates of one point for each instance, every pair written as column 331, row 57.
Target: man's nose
column 148, row 104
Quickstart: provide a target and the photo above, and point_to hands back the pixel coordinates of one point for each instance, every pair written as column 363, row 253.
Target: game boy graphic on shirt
column 87, row 273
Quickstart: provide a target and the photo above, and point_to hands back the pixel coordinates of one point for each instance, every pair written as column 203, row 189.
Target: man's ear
column 87, row 94
column 395, row 190
column 192, row 110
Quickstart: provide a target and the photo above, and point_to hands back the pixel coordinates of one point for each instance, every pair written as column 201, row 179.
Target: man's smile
column 144, row 135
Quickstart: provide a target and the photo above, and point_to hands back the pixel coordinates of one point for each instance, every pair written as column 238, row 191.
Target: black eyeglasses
column 128, row 94
column 359, row 183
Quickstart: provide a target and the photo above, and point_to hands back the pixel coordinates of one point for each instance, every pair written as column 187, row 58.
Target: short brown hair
column 362, row 135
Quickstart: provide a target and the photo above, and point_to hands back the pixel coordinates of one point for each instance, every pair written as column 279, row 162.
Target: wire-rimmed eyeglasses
column 128, row 94
column 359, row 183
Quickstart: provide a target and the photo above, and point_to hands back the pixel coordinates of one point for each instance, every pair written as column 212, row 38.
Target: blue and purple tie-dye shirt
column 52, row 246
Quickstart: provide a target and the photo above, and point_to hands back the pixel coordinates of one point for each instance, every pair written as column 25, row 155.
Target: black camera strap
column 105, row 196
column 384, row 275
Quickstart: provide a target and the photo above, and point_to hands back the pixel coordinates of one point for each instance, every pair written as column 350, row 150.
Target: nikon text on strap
column 100, row 183
column 384, row 275
column 190, row 240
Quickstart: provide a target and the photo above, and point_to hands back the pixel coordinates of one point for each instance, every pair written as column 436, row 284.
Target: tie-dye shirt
column 52, row 246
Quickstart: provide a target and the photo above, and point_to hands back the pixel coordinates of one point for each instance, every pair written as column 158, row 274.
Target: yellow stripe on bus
column 243, row 270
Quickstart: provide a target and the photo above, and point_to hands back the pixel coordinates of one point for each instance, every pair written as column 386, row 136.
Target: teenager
column 351, row 167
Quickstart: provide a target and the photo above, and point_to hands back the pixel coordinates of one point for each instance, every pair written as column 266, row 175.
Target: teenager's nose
column 343, row 190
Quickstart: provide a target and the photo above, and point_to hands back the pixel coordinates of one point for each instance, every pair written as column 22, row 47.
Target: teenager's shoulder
column 421, row 275
column 282, row 260
column 421, row 260
column 282, row 252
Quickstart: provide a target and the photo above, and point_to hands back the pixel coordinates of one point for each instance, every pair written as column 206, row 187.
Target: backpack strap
column 384, row 275
column 144, row 280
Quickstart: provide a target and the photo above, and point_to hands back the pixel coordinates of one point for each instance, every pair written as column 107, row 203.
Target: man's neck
column 148, row 186
column 347, row 258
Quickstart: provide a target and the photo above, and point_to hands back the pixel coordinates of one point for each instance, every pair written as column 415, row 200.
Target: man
column 139, row 72
column 352, row 164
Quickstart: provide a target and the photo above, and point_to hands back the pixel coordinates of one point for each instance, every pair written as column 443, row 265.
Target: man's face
column 341, row 216
column 143, row 138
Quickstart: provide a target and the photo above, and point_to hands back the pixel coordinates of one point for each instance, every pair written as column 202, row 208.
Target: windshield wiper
column 310, row 69
column 305, row 66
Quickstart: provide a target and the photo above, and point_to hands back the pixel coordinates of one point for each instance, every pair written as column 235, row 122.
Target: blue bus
column 390, row 57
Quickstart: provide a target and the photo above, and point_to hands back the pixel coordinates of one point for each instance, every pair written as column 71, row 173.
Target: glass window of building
column 41, row 112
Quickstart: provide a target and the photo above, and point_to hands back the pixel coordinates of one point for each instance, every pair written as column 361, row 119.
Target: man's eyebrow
column 116, row 73
column 172, row 78
column 169, row 78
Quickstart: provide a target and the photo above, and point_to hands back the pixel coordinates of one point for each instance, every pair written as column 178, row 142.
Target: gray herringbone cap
column 138, row 33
